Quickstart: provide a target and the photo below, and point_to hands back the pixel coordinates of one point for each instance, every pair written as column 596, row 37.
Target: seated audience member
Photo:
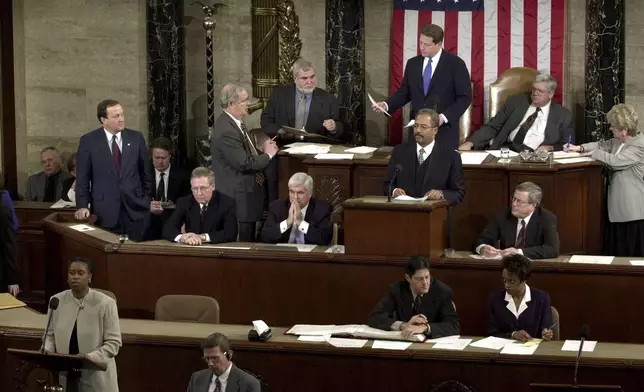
column 170, row 181
column 222, row 374
column 418, row 305
column 426, row 168
column 624, row 155
column 525, row 227
column 527, row 122
column 300, row 219
column 48, row 184
column 519, row 311
column 69, row 185
column 209, row 216
column 6, row 200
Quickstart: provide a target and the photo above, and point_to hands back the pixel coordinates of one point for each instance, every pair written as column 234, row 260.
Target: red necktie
column 116, row 154
column 521, row 237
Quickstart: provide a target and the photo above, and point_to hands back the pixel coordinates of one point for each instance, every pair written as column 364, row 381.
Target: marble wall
column 634, row 56
column 69, row 55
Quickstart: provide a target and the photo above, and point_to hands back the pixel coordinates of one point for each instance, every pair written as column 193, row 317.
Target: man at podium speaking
column 425, row 167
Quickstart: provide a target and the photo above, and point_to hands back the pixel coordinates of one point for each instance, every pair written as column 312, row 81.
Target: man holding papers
column 426, row 167
column 418, row 305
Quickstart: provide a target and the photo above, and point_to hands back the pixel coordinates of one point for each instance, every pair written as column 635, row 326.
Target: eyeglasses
column 539, row 91
column 202, row 189
column 212, row 359
column 423, row 126
column 518, row 201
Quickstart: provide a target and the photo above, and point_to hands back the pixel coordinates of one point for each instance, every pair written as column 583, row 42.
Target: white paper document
column 335, row 249
column 313, row 338
column 473, row 157
column 82, row 227
column 361, row 150
column 390, row 345
column 497, row 153
column 481, row 257
column 573, row 345
column 63, row 204
column 260, row 326
column 348, row 343
column 590, row 259
column 309, row 329
column 637, row 262
column 519, row 349
column 376, row 104
column 458, row 344
column 564, row 155
column 411, row 123
column 574, row 160
column 444, row 339
column 492, row 343
column 334, row 156
column 355, row 330
column 409, row 198
column 227, row 247
column 311, row 149
column 305, row 144
column 300, row 247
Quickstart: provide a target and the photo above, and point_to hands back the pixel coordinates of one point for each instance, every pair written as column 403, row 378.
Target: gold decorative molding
column 290, row 43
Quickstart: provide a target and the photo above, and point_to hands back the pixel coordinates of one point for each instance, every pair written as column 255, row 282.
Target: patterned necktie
column 415, row 309
column 300, row 114
column 521, row 237
column 161, row 188
column 217, row 385
column 427, row 76
column 116, row 154
column 296, row 236
column 525, row 127
column 250, row 147
column 204, row 209
column 421, row 156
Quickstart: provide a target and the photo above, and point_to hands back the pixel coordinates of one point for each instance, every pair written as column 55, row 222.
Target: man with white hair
column 300, row 219
column 527, row 122
column 238, row 164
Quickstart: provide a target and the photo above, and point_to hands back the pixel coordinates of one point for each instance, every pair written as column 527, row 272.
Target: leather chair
column 106, row 292
column 512, row 81
column 187, row 308
column 465, row 124
column 555, row 319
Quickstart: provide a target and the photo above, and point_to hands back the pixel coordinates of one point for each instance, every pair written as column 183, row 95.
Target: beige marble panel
column 313, row 36
column 20, row 91
column 576, row 21
column 634, row 20
column 60, row 18
column 638, row 102
column 115, row 19
column 634, row 78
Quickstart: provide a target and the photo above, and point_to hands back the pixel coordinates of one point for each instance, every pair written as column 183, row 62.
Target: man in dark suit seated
column 426, row 167
column 222, row 375
column 420, row 304
column 525, row 227
column 48, row 184
column 300, row 219
column 208, row 216
column 527, row 122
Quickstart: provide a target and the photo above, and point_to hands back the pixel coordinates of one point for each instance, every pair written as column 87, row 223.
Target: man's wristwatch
column 203, row 238
column 442, row 197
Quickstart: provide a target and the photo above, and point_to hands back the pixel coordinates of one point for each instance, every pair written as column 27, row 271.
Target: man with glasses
column 222, row 374
column 425, row 167
column 527, row 122
column 525, row 227
column 209, row 216
column 237, row 162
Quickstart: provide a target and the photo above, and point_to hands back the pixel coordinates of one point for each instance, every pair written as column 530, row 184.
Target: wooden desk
column 284, row 288
column 160, row 356
column 573, row 192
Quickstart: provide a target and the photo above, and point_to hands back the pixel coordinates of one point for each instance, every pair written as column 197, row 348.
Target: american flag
column 489, row 35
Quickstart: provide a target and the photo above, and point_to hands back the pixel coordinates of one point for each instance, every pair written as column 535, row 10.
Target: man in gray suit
column 527, row 122
column 48, row 184
column 237, row 163
column 222, row 375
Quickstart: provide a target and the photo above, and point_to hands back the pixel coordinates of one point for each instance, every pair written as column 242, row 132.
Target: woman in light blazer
column 624, row 155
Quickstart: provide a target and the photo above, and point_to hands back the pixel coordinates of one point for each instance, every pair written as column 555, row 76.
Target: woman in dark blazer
column 519, row 311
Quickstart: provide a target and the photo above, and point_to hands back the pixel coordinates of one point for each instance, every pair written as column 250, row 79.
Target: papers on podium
column 473, row 157
column 492, row 342
column 351, row 330
column 583, row 259
column 573, row 345
column 63, row 204
column 519, row 348
column 361, row 150
column 309, row 149
column 409, row 198
column 8, row 301
column 373, row 102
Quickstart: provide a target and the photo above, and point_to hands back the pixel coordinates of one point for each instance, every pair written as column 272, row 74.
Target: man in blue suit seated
column 425, row 167
column 112, row 174
column 519, row 311
column 209, row 216
column 300, row 219
column 420, row 304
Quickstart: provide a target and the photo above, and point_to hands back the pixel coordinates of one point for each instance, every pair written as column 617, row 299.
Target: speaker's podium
column 52, row 362
column 375, row 226
column 577, row 388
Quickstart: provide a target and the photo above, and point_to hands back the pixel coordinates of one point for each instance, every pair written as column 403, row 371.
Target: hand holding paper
column 378, row 107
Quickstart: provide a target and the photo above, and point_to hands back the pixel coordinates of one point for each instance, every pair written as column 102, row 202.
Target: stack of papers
column 63, row 204
column 309, row 149
column 361, row 150
column 300, row 247
column 564, row 155
column 574, row 160
column 409, row 198
column 519, row 349
column 492, row 343
column 82, row 227
column 473, row 157
column 348, row 343
column 497, row 153
column 313, row 338
column 579, row 259
column 8, row 301
column 334, row 156
column 456, row 344
column 573, row 345
column 481, row 257
column 389, row 345
column 637, row 262
column 353, row 330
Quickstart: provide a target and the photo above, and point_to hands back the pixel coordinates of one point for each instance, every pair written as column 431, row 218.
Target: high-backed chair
column 465, row 124
column 513, row 81
column 106, row 292
column 187, row 308
column 555, row 319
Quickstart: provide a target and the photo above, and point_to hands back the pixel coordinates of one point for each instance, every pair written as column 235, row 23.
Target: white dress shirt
column 479, row 249
column 71, row 195
column 512, row 307
column 157, row 177
column 537, row 132
column 223, row 379
column 303, row 227
column 119, row 140
column 177, row 238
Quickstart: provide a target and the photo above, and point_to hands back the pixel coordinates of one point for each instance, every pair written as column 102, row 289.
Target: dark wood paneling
column 7, row 97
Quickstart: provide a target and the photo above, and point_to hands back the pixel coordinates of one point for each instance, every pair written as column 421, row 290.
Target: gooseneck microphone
column 397, row 170
column 53, row 305
column 585, row 334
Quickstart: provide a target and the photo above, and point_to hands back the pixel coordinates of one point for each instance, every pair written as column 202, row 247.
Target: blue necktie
column 427, row 76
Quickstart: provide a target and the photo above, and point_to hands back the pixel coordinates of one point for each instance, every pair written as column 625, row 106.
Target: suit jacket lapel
column 309, row 210
column 126, row 139
column 172, row 184
column 314, row 101
column 232, row 385
column 290, row 106
column 511, row 232
column 430, row 159
column 439, row 69
column 407, row 301
column 211, row 213
column 531, row 228
column 194, row 215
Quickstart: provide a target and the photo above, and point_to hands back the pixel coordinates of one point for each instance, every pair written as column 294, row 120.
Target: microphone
column 585, row 334
column 397, row 170
column 53, row 305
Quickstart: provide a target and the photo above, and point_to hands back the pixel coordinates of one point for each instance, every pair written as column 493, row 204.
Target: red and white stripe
column 509, row 33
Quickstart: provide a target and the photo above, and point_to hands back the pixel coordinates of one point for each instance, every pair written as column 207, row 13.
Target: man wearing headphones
column 221, row 371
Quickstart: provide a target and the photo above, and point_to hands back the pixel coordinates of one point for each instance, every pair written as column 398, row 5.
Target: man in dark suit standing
column 209, row 216
column 527, row 122
column 426, row 167
column 237, row 163
column 300, row 219
column 436, row 80
column 114, row 161
column 418, row 305
column 222, row 375
column 48, row 184
column 525, row 227
column 170, row 181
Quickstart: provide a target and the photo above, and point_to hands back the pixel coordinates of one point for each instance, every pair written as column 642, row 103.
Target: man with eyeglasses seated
column 527, row 122
column 425, row 167
column 525, row 227
column 222, row 374
column 209, row 216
